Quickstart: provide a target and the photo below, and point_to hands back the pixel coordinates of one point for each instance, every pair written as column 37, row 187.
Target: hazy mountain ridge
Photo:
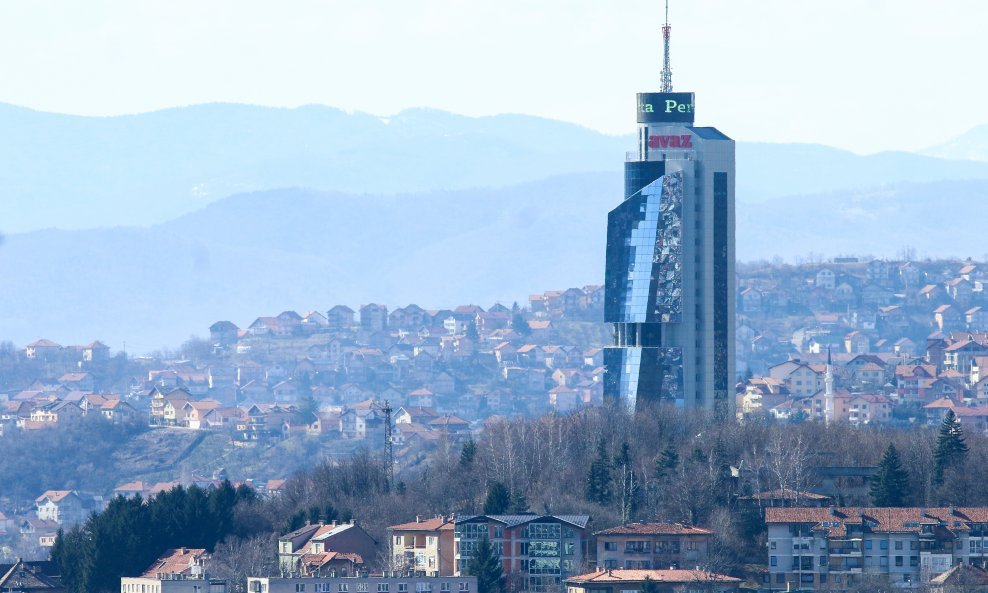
column 935, row 219
column 63, row 171
column 261, row 253
column 971, row 145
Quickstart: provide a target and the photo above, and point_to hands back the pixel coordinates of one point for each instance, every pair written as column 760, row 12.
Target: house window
column 402, row 587
column 464, row 586
column 914, row 561
column 883, row 545
column 361, row 587
column 343, row 587
column 299, row 587
column 898, row 560
column 444, row 586
column 610, row 546
column 382, row 588
column 774, row 561
column 898, row 545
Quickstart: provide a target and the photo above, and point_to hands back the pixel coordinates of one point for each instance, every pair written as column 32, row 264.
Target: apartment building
column 837, row 547
column 645, row 546
column 537, row 551
column 424, row 545
column 393, row 582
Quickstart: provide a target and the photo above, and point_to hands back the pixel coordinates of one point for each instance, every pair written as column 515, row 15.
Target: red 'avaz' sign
column 677, row 141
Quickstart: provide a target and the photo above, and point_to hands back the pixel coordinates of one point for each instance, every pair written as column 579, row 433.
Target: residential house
column 373, row 317
column 644, row 546
column 31, row 577
column 425, row 545
column 340, row 318
column 179, row 570
column 65, row 507
column 42, row 350
column 223, row 334
column 353, row 545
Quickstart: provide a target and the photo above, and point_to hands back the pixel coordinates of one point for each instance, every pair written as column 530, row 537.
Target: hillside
column 72, row 172
column 261, row 253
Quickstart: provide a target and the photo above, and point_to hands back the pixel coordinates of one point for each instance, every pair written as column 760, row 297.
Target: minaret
column 828, row 393
column 666, row 86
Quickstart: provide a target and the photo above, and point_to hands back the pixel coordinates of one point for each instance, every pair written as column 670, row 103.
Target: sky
column 863, row 75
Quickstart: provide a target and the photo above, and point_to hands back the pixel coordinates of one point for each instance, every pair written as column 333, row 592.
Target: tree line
column 659, row 464
column 130, row 533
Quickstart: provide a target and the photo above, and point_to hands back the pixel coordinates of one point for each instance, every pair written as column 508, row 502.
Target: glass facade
column 644, row 286
column 644, row 276
column 722, row 314
column 644, row 373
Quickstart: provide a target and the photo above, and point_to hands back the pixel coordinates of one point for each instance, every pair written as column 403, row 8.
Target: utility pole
column 389, row 448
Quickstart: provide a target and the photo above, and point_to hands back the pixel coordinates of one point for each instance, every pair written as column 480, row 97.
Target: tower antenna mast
column 666, row 68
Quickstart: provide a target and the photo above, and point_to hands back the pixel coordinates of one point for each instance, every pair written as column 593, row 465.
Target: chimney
column 418, row 518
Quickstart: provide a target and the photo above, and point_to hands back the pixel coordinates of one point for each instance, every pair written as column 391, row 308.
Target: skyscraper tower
column 669, row 281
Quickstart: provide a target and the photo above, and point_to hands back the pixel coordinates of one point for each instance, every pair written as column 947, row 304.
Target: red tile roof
column 666, row 576
column 655, row 529
column 433, row 524
column 174, row 561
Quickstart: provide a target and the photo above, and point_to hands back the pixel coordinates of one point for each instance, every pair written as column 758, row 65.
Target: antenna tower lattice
column 666, row 67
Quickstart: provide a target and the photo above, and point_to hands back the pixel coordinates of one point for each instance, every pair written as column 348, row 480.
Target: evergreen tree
column 599, row 478
column 472, row 333
column 519, row 503
column 468, row 453
column 519, row 325
column 498, row 499
column 890, row 486
column 951, row 448
column 667, row 462
column 485, row 564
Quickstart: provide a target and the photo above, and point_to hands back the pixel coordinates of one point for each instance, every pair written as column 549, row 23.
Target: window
column 343, row 587
column 898, row 560
column 774, row 561
column 430, row 540
column 780, row 577
column 867, row 544
column 883, row 545
column 569, row 548
column 299, row 587
column 498, row 532
column 402, row 587
column 543, row 531
column 361, row 587
column 613, row 563
column 913, row 545
column 898, row 545
column 465, row 586
column 610, row 546
column 398, row 540
column 444, row 586
column 423, row 587
column 823, row 578
column 382, row 588
column 772, row 545
column 883, row 561
column 914, row 561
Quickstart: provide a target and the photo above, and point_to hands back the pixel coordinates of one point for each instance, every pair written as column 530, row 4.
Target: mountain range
column 137, row 229
column 74, row 172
